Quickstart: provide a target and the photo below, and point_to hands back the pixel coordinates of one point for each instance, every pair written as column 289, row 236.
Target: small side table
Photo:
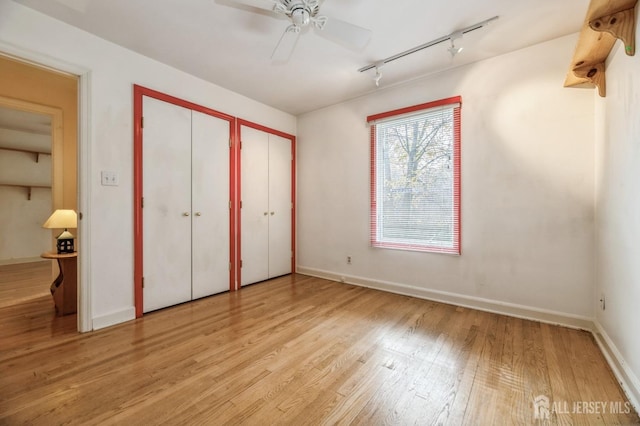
column 64, row 288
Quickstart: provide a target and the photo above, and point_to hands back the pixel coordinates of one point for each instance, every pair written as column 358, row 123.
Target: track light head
column 453, row 49
column 377, row 77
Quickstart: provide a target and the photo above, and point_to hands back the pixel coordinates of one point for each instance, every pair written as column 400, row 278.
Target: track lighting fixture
column 454, row 50
column 378, row 75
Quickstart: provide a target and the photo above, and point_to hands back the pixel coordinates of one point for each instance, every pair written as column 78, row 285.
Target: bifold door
column 186, row 204
column 266, row 205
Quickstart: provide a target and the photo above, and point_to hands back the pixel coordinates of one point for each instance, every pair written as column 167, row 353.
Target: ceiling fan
column 301, row 13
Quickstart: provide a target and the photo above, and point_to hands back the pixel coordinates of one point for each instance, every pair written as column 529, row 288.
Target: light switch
column 109, row 178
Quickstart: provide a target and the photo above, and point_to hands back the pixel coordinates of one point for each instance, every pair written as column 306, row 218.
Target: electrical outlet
column 603, row 304
column 109, row 178
column 348, row 260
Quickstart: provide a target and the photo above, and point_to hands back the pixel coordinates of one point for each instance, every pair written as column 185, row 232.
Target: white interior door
column 210, row 205
column 279, row 206
column 166, row 157
column 254, row 213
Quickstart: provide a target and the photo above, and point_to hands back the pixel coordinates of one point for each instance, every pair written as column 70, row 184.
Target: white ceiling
column 231, row 46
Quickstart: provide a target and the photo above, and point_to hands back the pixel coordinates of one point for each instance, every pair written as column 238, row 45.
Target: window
column 415, row 177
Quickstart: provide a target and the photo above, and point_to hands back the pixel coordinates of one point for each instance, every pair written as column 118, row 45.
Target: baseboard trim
column 22, row 260
column 487, row 305
column 114, row 318
column 628, row 380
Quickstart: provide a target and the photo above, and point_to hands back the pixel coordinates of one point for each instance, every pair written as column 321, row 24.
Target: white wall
column 22, row 237
column 618, row 212
column 527, row 187
column 113, row 72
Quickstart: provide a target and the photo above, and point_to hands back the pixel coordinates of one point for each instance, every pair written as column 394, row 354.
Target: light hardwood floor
column 24, row 281
column 300, row 350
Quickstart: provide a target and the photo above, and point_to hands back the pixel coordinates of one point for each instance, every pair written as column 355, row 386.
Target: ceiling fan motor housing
column 300, row 17
column 301, row 11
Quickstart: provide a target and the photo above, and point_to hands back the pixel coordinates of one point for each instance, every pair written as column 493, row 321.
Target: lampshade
column 62, row 219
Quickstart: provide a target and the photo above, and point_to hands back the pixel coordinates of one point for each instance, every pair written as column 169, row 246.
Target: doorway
column 38, row 137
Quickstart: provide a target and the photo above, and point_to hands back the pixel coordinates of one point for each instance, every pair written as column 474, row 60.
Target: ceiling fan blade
column 77, row 5
column 344, row 32
column 259, row 4
column 287, row 43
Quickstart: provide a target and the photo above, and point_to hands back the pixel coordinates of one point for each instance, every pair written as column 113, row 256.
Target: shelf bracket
column 594, row 74
column 621, row 25
column 606, row 22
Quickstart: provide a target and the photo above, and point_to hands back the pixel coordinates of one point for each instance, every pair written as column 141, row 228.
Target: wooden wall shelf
column 29, row 151
column 27, row 187
column 606, row 22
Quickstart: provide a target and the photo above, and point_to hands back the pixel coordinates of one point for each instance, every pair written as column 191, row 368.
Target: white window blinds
column 415, row 193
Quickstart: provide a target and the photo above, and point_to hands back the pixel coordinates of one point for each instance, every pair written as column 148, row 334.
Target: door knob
column 265, row 213
column 185, row 214
column 198, row 214
column 272, row 213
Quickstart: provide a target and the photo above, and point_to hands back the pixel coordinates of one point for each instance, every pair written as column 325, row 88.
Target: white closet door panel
column 254, row 214
column 279, row 206
column 210, row 202
column 167, row 198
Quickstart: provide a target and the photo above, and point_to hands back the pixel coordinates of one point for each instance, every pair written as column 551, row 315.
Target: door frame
column 239, row 123
column 138, row 93
column 83, row 144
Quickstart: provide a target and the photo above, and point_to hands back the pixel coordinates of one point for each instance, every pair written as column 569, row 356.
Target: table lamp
column 63, row 219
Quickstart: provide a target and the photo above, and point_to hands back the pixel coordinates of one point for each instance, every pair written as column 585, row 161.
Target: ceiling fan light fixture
column 301, row 13
column 300, row 17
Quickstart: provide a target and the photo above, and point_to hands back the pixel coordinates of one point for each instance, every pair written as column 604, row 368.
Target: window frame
column 371, row 120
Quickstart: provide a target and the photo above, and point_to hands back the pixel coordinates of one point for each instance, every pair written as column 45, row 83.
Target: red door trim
column 138, row 93
column 240, row 122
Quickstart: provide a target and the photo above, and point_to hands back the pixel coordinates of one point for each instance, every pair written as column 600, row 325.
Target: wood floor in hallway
column 299, row 350
column 24, row 281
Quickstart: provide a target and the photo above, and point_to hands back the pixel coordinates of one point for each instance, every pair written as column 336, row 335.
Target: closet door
column 210, row 205
column 279, row 206
column 266, row 205
column 167, row 204
column 254, row 213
